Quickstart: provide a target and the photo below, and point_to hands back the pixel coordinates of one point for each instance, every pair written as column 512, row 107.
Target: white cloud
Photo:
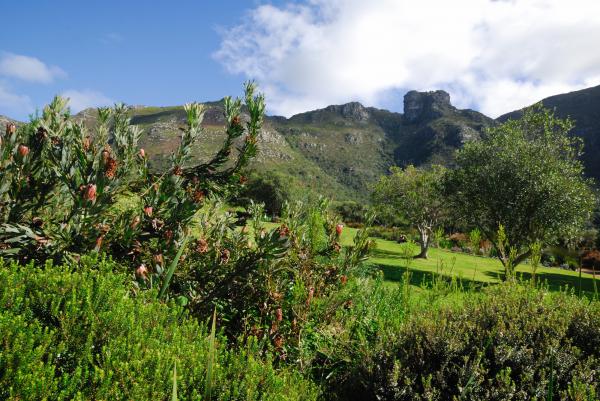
column 80, row 100
column 494, row 55
column 28, row 68
column 12, row 104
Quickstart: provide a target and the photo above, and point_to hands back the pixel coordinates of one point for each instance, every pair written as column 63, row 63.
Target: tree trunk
column 424, row 242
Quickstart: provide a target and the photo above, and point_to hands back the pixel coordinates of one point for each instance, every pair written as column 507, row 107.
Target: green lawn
column 478, row 270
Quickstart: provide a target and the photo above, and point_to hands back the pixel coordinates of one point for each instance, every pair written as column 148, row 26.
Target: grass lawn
column 477, row 270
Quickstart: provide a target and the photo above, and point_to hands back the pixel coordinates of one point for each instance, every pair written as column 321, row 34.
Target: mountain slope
column 338, row 151
column 583, row 107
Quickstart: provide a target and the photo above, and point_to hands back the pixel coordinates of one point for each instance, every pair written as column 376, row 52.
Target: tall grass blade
column 211, row 358
column 550, row 396
column 174, row 392
column 172, row 267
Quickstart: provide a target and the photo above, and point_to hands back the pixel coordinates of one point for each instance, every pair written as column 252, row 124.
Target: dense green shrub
column 390, row 233
column 511, row 342
column 264, row 281
column 82, row 335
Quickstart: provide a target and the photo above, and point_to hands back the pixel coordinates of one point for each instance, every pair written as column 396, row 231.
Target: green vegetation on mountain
column 583, row 107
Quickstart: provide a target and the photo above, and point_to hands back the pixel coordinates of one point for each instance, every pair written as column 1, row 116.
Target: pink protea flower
column 142, row 271
column 284, row 231
column 279, row 314
column 89, row 193
column 339, row 228
column 23, row 150
column 142, row 153
column 11, row 129
column 148, row 211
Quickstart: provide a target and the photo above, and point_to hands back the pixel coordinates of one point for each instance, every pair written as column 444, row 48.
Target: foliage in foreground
column 62, row 184
column 509, row 342
column 81, row 335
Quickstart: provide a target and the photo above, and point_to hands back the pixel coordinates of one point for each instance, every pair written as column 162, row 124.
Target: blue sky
column 139, row 52
column 493, row 56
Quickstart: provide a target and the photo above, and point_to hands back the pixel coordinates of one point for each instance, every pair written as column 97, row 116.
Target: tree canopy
column 522, row 184
column 417, row 195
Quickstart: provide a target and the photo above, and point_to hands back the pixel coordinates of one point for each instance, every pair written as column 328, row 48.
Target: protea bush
column 66, row 190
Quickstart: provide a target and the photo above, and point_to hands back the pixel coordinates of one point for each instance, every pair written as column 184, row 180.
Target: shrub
column 351, row 212
column 510, row 343
column 66, row 191
column 81, row 335
column 389, row 233
column 263, row 282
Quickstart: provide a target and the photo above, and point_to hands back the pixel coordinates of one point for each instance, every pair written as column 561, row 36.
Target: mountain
column 583, row 107
column 338, row 151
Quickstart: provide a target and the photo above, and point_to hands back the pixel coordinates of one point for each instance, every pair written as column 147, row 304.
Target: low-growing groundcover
column 80, row 335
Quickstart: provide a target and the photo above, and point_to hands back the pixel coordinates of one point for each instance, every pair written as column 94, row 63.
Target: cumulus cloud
column 28, row 69
column 83, row 99
column 492, row 55
column 12, row 103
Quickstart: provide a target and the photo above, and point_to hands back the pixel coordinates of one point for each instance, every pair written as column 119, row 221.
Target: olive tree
column 415, row 194
column 522, row 184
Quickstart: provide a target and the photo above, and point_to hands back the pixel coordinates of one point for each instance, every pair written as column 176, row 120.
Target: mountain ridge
column 340, row 150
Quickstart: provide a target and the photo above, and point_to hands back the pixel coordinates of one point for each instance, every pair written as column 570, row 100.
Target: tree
column 522, row 184
column 417, row 194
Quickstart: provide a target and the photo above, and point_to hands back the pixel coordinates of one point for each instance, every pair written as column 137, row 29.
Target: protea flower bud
column 99, row 241
column 42, row 133
column 142, row 271
column 278, row 342
column 343, row 279
column 243, row 179
column 11, row 129
column 177, row 171
column 311, row 293
column 110, row 168
column 148, row 211
column 198, row 196
column 225, row 255
column 158, row 259
column 339, row 228
column 201, row 246
column 105, row 156
column 89, row 193
column 236, row 121
column 86, row 143
column 135, row 222
column 23, row 150
column 168, row 235
column 279, row 314
column 142, row 153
